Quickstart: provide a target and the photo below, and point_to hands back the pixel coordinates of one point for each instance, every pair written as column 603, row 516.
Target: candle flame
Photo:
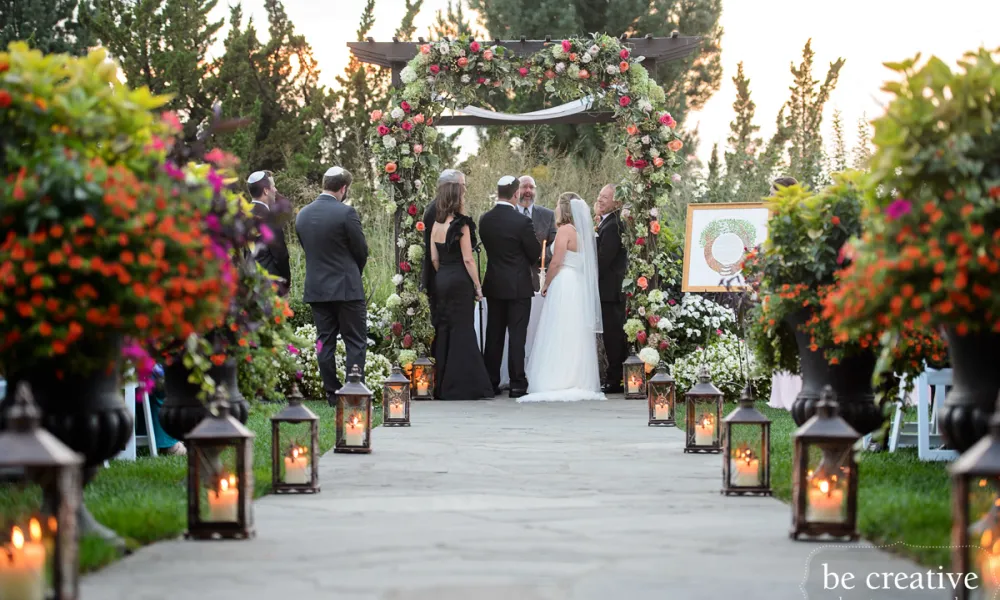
column 295, row 453
column 53, row 524
column 824, row 486
column 996, row 547
column 987, row 538
column 232, row 481
column 35, row 529
column 355, row 421
column 17, row 537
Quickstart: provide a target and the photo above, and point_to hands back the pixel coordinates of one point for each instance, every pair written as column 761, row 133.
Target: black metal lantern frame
column 703, row 416
column 220, row 476
column 422, row 379
column 396, row 399
column 975, row 501
column 661, row 393
column 746, row 442
column 634, row 378
column 354, row 416
column 40, row 544
column 825, row 475
column 295, row 449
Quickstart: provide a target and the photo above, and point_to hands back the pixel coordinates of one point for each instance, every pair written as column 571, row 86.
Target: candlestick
column 396, row 410
column 297, row 467
column 355, row 432
column 824, row 503
column 223, row 502
column 704, row 431
column 543, row 253
column 22, row 566
column 634, row 384
column 661, row 411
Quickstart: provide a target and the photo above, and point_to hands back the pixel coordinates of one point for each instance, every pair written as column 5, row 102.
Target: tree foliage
column 52, row 26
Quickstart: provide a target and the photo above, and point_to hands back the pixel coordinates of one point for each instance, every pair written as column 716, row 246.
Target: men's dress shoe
column 497, row 391
column 518, row 393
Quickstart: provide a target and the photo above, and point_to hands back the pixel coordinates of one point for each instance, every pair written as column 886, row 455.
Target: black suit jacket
column 336, row 252
column 612, row 258
column 511, row 250
column 427, row 276
column 274, row 255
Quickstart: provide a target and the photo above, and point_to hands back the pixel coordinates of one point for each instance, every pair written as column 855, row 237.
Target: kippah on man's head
column 256, row 176
column 450, row 176
column 333, row 172
column 506, row 180
column 336, row 179
column 507, row 187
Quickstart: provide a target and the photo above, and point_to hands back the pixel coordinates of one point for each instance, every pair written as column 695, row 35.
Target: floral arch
column 600, row 66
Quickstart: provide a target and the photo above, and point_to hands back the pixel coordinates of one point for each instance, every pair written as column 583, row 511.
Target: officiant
column 543, row 221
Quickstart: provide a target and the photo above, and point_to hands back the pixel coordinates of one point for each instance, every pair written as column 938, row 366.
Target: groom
column 611, row 265
column 511, row 250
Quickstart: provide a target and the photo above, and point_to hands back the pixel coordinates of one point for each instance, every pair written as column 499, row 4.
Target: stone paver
column 496, row 500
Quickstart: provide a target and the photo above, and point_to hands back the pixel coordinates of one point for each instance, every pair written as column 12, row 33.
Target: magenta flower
column 216, row 180
column 212, row 222
column 293, row 349
column 319, row 346
column 266, row 234
column 671, row 302
column 172, row 171
column 898, row 208
column 718, row 332
column 299, row 375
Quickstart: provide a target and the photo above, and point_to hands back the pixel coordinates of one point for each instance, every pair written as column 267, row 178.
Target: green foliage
column 51, row 26
column 838, row 161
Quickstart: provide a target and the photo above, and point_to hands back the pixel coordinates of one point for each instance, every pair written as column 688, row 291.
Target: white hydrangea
column 611, row 69
column 646, row 140
column 393, row 301
column 664, row 324
column 560, row 67
column 665, row 133
column 676, row 178
column 401, row 242
column 389, row 142
column 410, row 312
column 640, row 188
column 654, row 153
column 404, row 149
column 444, row 48
column 649, row 356
column 397, row 279
column 397, row 113
column 516, row 143
column 557, row 52
column 466, row 79
column 408, row 75
column 415, row 252
column 654, row 212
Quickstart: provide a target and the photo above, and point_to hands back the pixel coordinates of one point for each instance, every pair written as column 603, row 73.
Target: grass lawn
column 146, row 501
column 900, row 498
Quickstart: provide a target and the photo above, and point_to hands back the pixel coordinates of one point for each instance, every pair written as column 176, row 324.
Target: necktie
column 525, row 211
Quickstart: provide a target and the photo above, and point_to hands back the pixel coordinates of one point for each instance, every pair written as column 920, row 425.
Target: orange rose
column 658, row 161
column 420, row 226
column 632, row 129
column 487, row 55
column 390, row 167
column 418, row 118
column 642, row 282
column 584, row 74
column 425, row 49
column 675, row 145
column 623, row 66
column 572, row 56
column 463, row 62
column 654, row 227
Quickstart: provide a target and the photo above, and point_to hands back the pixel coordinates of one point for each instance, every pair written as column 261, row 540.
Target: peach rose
column 425, row 49
column 584, row 74
column 418, row 119
column 418, row 148
column 390, row 167
column 420, row 226
column 487, row 55
column 654, row 227
column 675, row 145
column 376, row 115
column 642, row 282
column 658, row 161
column 550, row 74
column 463, row 62
column 623, row 66
column 632, row 129
column 572, row 57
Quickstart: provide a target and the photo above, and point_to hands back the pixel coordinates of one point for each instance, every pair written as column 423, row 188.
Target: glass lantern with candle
column 975, row 481
column 220, row 475
column 825, row 474
column 396, row 399
column 295, row 449
column 660, row 391
column 38, row 535
column 746, row 442
column 422, row 379
column 634, row 374
column 703, row 416
column 354, row 415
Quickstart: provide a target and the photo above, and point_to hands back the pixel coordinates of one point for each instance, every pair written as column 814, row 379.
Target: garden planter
column 964, row 415
column 851, row 380
column 182, row 409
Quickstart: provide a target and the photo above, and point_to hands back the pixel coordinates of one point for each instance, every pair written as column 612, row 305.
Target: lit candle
column 661, row 411
column 355, row 432
column 824, row 503
column 297, row 467
column 396, row 410
column 634, row 384
column 704, row 431
column 990, row 560
column 22, row 568
column 744, row 468
column 544, row 242
column 422, row 384
column 222, row 502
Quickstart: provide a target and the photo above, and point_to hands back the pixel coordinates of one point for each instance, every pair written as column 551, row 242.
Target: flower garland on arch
column 453, row 74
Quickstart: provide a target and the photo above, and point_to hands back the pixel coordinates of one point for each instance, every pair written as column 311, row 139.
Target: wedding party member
column 272, row 254
column 611, row 264
column 511, row 251
column 563, row 366
column 336, row 252
column 450, row 181
column 460, row 373
column 542, row 220
column 785, row 386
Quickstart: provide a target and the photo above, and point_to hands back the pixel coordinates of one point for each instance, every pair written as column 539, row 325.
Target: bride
column 562, row 365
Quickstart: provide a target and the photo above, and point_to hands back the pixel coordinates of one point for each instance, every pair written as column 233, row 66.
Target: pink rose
column 418, row 119
column 480, row 80
column 550, row 74
column 425, row 49
column 463, row 62
column 664, row 345
column 488, row 55
column 640, row 241
column 584, row 74
column 435, row 69
column 405, row 267
column 418, row 148
column 624, row 101
column 523, row 71
column 383, row 130
column 395, row 178
column 640, row 164
column 566, row 45
column 666, row 119
column 641, row 337
column 376, row 115
column 412, row 210
column 474, row 47
column 624, row 53
column 407, row 126
column 405, row 106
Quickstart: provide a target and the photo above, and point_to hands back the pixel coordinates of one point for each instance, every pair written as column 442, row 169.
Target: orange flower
column 642, row 282
column 658, row 161
column 421, row 226
column 654, row 227
column 390, row 167
column 675, row 145
column 632, row 129
column 623, row 66
column 44, row 329
column 835, row 220
column 218, row 359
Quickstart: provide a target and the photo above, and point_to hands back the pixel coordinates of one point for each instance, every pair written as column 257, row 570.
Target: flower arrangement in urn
column 930, row 255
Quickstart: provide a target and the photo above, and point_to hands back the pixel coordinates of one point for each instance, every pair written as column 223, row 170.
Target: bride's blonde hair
column 563, row 206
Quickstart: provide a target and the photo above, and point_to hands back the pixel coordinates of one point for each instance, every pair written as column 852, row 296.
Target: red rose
column 624, row 101
column 407, row 126
column 567, row 46
column 404, row 267
column 641, row 164
column 629, row 162
column 604, row 85
column 481, row 80
column 407, row 340
column 405, row 106
column 397, row 328
column 412, row 210
column 523, row 71
column 624, row 53
column 641, row 337
column 435, row 69
column 383, row 130
column 653, row 320
column 664, row 345
column 395, row 178
column 474, row 46
column 640, row 241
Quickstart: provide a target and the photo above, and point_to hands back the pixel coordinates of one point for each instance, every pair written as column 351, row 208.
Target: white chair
column 148, row 440
column 924, row 433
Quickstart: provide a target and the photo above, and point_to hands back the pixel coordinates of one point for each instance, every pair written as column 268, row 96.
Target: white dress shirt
column 510, row 204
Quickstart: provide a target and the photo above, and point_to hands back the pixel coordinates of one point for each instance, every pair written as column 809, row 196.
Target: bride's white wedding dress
column 563, row 363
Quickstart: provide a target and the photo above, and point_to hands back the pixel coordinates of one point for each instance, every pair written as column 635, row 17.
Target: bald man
column 612, row 262
column 543, row 221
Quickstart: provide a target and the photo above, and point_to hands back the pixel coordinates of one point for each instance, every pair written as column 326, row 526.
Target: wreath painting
column 724, row 234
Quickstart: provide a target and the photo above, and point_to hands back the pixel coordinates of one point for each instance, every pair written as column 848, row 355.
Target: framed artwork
column 716, row 241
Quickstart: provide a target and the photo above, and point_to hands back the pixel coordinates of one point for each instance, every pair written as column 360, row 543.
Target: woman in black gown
column 460, row 373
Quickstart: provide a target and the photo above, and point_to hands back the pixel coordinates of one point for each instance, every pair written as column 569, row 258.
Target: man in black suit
column 272, row 251
column 336, row 252
column 612, row 257
column 511, row 250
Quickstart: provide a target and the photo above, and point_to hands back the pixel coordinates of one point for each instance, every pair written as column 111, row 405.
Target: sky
column 766, row 35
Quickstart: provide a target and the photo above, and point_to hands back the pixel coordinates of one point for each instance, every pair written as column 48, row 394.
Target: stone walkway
column 496, row 500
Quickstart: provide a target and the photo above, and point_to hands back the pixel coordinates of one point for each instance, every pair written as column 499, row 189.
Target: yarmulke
column 506, row 180
column 256, row 176
column 333, row 172
column 450, row 176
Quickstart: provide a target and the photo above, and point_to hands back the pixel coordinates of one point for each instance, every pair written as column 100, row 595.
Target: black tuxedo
column 336, row 252
column 511, row 250
column 612, row 259
column 273, row 256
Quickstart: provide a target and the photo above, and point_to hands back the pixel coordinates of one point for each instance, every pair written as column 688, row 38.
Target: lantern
column 634, row 373
column 746, row 441
column 39, row 544
column 396, row 399
column 825, row 474
column 661, row 390
column 295, row 449
column 354, row 416
column 422, row 379
column 703, row 416
column 220, row 475
column 975, row 480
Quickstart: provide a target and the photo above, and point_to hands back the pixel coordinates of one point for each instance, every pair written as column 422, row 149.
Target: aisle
column 496, row 500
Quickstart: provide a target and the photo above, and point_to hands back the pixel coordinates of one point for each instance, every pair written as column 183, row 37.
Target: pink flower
column 666, row 119
column 462, row 62
column 435, row 69
column 376, row 115
column 292, row 349
column 566, row 45
column 212, row 222
column 474, row 47
column 215, row 180
column 718, row 332
column 266, row 234
column 425, row 49
column 407, row 126
column 405, row 267
column 395, row 178
column 418, row 118
column 523, row 71
column 412, row 210
column 624, row 53
column 488, row 55
column 664, row 345
column 170, row 118
column 480, row 80
column 319, row 346
column 299, row 375
column 671, row 302
column 640, row 164
column 383, row 130
column 215, row 157
column 898, row 208
column 407, row 340
column 624, row 101
column 640, row 241
column 418, row 148
column 640, row 337
column 172, row 171
column 405, row 106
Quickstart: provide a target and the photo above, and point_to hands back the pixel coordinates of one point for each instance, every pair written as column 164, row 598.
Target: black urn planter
column 851, row 380
column 182, row 410
column 964, row 415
